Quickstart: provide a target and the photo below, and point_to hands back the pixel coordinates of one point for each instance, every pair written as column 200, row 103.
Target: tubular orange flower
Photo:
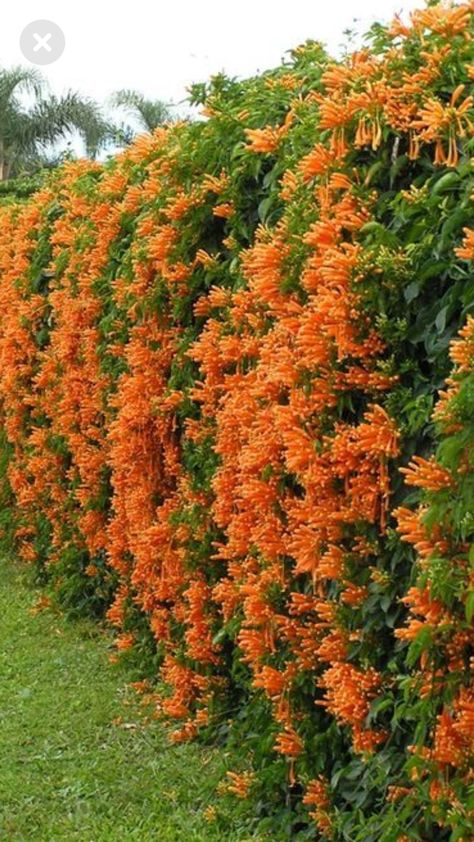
column 268, row 139
column 437, row 120
column 240, row 783
column 200, row 411
column 427, row 474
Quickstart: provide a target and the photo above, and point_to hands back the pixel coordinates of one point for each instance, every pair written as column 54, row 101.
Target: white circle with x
column 42, row 42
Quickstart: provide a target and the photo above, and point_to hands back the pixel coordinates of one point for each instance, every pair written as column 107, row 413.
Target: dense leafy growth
column 216, row 354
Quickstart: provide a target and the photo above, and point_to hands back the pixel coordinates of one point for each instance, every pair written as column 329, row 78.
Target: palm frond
column 17, row 80
column 149, row 113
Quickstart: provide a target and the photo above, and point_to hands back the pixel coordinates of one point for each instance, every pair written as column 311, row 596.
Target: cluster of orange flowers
column 164, row 344
column 444, row 669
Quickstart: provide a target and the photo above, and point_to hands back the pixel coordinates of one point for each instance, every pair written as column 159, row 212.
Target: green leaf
column 445, row 182
column 412, row 291
column 469, row 606
column 421, row 643
column 440, row 320
column 264, row 207
column 433, row 268
column 374, row 169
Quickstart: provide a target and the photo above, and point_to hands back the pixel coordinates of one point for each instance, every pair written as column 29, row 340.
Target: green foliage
column 417, row 292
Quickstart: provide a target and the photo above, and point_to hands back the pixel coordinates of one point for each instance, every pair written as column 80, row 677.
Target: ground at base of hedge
column 77, row 760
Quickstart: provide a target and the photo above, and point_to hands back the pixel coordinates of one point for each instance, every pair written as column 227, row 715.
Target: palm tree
column 27, row 131
column 148, row 113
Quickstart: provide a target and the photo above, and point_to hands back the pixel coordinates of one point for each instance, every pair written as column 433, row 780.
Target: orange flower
column 289, row 743
column 124, row 641
column 348, row 695
column 240, row 783
column 426, row 473
column 437, row 120
column 317, row 795
column 224, row 210
column 265, row 140
column 443, row 19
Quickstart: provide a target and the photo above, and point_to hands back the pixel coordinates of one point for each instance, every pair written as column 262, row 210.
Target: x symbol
column 42, row 42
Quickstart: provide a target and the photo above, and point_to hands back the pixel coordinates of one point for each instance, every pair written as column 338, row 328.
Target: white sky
column 161, row 47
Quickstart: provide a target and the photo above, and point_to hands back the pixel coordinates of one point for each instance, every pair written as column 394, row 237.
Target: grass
column 77, row 758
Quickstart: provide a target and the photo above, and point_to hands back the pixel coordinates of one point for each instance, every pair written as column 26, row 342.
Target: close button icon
column 42, row 42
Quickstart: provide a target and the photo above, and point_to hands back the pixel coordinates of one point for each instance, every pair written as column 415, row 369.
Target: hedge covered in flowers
column 236, row 416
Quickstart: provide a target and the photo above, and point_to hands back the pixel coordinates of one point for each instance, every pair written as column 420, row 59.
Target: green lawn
column 67, row 771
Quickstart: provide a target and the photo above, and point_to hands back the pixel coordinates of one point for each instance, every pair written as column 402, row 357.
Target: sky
column 161, row 48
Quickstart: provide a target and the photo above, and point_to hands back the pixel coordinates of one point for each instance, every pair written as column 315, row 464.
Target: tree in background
column 148, row 113
column 28, row 131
